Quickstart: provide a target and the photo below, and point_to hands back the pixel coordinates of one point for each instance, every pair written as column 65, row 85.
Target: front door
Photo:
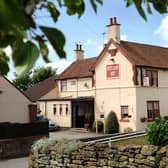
column 80, row 111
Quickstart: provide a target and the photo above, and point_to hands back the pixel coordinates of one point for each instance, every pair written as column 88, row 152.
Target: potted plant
column 87, row 120
column 143, row 119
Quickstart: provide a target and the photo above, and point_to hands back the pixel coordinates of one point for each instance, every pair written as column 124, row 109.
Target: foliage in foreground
column 20, row 28
column 157, row 133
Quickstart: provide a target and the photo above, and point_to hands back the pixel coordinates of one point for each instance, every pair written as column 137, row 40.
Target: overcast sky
column 89, row 28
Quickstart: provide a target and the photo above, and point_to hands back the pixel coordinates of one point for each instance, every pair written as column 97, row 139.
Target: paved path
column 14, row 163
column 23, row 162
column 70, row 134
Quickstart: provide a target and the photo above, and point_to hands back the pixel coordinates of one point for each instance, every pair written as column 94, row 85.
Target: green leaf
column 75, row 7
column 53, row 11
column 160, row 5
column 4, row 68
column 12, row 14
column 94, row 6
column 24, row 56
column 6, row 39
column 44, row 51
column 138, row 5
column 56, row 38
column 148, row 8
column 129, row 2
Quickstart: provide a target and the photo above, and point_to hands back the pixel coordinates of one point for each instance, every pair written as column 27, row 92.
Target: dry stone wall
column 99, row 156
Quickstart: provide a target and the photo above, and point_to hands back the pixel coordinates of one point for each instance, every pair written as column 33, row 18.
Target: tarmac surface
column 69, row 134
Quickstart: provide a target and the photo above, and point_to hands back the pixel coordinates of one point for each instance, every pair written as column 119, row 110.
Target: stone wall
column 98, row 156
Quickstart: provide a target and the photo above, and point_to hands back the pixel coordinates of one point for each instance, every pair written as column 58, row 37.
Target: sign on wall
column 112, row 71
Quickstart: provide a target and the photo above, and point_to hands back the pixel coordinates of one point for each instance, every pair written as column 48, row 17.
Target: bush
column 128, row 129
column 157, row 133
column 112, row 125
column 99, row 125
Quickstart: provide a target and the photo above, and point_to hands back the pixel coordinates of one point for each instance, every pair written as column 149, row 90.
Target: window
column 150, row 78
column 153, row 110
column 63, row 85
column 60, row 109
column 124, row 113
column 66, row 109
column 54, row 109
column 73, row 82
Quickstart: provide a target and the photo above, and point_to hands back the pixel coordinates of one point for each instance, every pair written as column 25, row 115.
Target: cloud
column 124, row 37
column 162, row 30
column 96, row 45
column 60, row 65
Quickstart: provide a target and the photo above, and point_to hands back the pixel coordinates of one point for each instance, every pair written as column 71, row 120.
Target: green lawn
column 132, row 141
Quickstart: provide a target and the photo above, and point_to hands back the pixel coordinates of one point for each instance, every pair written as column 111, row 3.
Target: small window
column 63, row 85
column 54, row 109
column 124, row 113
column 150, row 78
column 153, row 110
column 73, row 82
column 60, row 109
column 66, row 109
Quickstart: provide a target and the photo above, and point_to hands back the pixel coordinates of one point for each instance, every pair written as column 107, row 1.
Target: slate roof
column 146, row 55
column 40, row 89
column 79, row 69
column 137, row 53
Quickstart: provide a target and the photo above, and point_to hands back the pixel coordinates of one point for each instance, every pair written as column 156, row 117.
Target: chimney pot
column 115, row 20
column 80, row 47
column 111, row 21
column 77, row 46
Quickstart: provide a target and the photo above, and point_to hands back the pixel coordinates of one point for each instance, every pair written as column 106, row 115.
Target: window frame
column 66, row 109
column 151, row 77
column 153, row 110
column 60, row 109
column 124, row 119
column 63, row 84
column 73, row 82
column 54, row 109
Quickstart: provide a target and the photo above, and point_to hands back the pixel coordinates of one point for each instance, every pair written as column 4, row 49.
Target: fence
column 16, row 130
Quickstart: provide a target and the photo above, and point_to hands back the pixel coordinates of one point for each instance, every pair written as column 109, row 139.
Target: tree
column 19, row 28
column 23, row 82
column 40, row 74
column 30, row 78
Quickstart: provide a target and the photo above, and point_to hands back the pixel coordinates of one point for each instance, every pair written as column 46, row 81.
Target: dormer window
column 150, row 78
column 64, row 85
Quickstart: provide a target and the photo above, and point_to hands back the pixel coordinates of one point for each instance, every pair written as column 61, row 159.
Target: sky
column 89, row 29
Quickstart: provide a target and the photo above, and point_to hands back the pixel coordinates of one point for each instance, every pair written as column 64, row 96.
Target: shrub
column 112, row 125
column 99, row 126
column 166, row 117
column 157, row 133
column 128, row 129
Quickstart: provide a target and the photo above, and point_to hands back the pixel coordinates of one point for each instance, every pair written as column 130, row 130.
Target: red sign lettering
column 112, row 71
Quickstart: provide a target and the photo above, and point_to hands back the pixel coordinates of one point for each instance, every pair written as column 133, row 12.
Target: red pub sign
column 112, row 71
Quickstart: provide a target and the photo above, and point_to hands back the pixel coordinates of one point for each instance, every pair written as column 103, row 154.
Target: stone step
column 82, row 130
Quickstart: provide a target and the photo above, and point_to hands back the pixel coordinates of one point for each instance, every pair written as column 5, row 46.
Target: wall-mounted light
column 86, row 85
column 112, row 59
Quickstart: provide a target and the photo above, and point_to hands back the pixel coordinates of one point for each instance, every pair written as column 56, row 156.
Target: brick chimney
column 79, row 53
column 113, row 30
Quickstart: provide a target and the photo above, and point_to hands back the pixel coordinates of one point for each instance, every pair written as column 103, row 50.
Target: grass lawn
column 133, row 141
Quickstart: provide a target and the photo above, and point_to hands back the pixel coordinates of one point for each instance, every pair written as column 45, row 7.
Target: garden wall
column 69, row 155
